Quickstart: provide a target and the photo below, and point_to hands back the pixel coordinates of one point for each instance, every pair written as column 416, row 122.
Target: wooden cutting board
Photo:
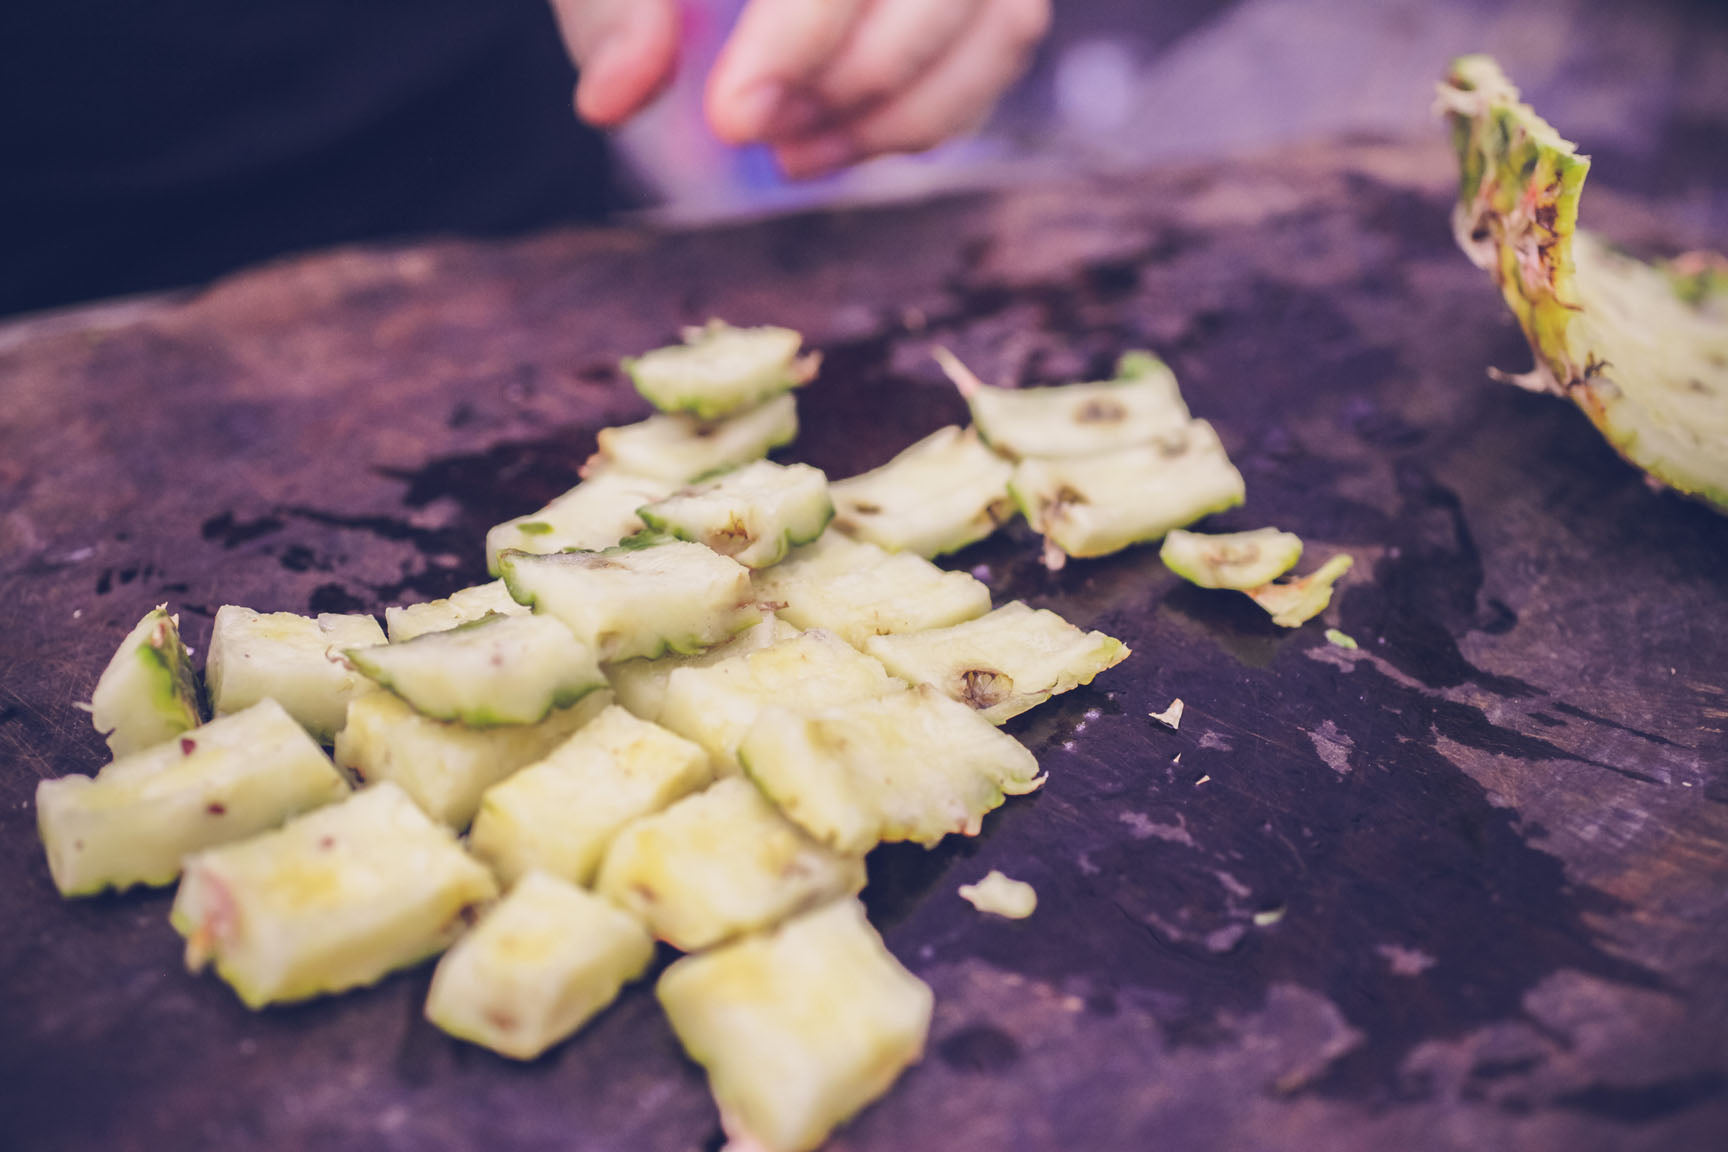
column 1465, row 886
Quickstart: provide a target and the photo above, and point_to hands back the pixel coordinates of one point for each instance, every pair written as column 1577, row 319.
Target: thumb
column 625, row 52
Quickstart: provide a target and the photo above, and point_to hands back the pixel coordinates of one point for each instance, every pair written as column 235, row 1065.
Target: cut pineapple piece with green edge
column 447, row 767
column 640, row 684
column 1299, row 601
column 944, row 492
column 148, row 692
column 858, row 590
column 1095, row 505
column 496, row 670
column 1142, row 405
column 631, row 601
column 721, row 863
column 716, row 705
column 597, row 513
column 335, row 899
column 134, row 821
column 537, row 966
column 1238, row 560
column 678, row 448
column 461, row 607
column 1002, row 663
column 295, row 660
column 755, row 514
column 800, row 1028
column 912, row 766
column 559, row 814
column 1633, row 346
column 720, row 369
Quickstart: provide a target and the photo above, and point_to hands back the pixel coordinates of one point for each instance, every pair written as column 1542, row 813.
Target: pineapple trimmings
column 1000, row 896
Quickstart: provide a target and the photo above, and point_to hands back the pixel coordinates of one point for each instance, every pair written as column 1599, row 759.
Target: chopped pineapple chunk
column 678, row 448
column 597, row 513
column 460, row 607
column 1000, row 896
column 946, row 491
column 294, row 660
column 640, row 684
column 720, row 369
column 1239, row 560
column 755, row 513
column 148, row 693
column 1141, row 406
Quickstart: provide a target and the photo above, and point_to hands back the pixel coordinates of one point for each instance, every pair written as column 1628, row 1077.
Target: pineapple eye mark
column 501, row 1019
column 216, row 809
column 983, row 688
column 732, row 539
column 1236, row 553
column 1101, row 411
column 590, row 560
column 1173, row 446
column 188, row 745
column 864, row 508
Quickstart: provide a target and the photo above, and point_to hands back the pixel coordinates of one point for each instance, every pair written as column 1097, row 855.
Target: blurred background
column 154, row 146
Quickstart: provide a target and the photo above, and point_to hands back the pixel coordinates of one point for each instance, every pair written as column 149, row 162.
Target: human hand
column 823, row 83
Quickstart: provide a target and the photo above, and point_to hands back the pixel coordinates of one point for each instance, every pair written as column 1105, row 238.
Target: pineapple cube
column 597, row 513
column 148, row 693
column 677, row 448
column 292, row 659
column 446, row 767
column 755, row 513
column 721, row 863
column 333, row 900
column 1140, row 406
column 540, row 963
column 800, row 1028
column 720, row 369
column 946, row 491
column 1239, row 560
column 640, row 684
column 134, row 821
column 460, row 607
column 559, row 814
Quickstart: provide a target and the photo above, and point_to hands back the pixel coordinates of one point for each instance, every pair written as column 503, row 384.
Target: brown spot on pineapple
column 216, row 808
column 731, row 539
column 983, row 688
column 865, row 508
column 188, row 745
column 590, row 560
column 1101, row 411
column 325, row 843
column 501, row 1020
column 644, row 893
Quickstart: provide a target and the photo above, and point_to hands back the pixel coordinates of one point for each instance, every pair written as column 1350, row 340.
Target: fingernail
column 755, row 107
column 594, row 98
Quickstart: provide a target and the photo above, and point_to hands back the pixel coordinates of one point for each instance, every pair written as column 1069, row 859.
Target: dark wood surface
column 1464, row 887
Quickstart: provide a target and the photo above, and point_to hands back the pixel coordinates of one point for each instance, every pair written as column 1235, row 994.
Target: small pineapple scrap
column 858, row 590
column 539, row 964
column 1000, row 896
column 447, row 767
column 798, row 1029
column 1095, row 505
column 558, row 814
column 718, row 704
column 755, row 513
column 720, row 369
column 944, row 492
column 295, row 660
column 460, row 607
column 914, row 765
column 1140, row 406
column 1002, row 663
column 148, row 693
column 679, row 448
column 638, row 601
column 134, row 821
column 640, row 684
column 335, row 899
column 597, row 513
column 1237, row 560
column 721, row 863
column 1295, row 603
column 496, row 670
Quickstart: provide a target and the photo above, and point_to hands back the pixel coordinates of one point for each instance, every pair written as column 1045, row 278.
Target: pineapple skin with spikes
column 559, row 814
column 148, row 692
column 798, row 1029
column 335, row 899
column 497, row 670
column 1004, row 662
column 1236, row 560
column 136, row 819
column 539, row 964
column 944, row 492
column 597, row 513
column 718, row 864
column 446, row 767
column 719, row 369
column 464, row 606
column 676, row 448
column 293, row 659
column 754, row 514
column 640, row 684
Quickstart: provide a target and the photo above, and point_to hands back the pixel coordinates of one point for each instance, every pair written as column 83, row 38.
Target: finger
column 776, row 50
column 953, row 96
column 625, row 52
column 895, row 43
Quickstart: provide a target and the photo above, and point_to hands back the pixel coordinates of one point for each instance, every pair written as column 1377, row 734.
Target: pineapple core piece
column 720, row 369
column 798, row 1029
column 944, row 492
column 638, row 601
column 720, row 863
column 335, row 899
column 134, row 821
column 294, row 660
column 677, row 448
column 559, row 814
column 446, row 767
column 1239, row 560
column 597, row 513
column 1002, row 663
column 754, row 514
column 911, row 766
column 496, row 670
column 539, row 964
column 716, row 705
column 461, row 607
column 148, row 692
column 640, row 684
